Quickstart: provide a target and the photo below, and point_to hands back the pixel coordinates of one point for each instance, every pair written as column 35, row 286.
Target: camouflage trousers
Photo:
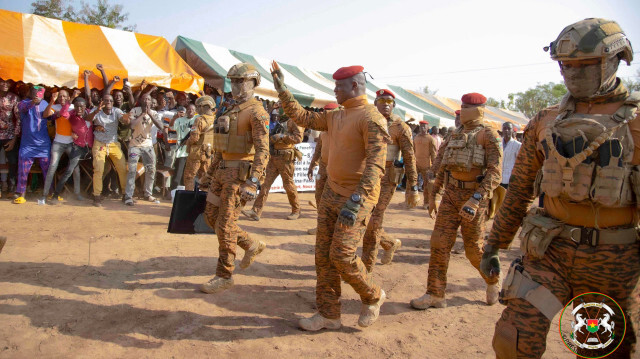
column 336, row 256
column 375, row 233
column 321, row 180
column 221, row 213
column 425, row 191
column 444, row 237
column 195, row 167
column 568, row 270
column 284, row 168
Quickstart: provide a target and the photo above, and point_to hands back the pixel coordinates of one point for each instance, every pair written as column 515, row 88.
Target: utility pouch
column 222, row 125
column 512, row 281
column 537, row 233
column 551, row 178
column 297, row 154
column 581, row 185
column 396, row 174
column 477, row 158
column 243, row 170
column 536, row 184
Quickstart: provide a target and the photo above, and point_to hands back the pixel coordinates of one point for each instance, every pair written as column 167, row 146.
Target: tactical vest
column 463, row 151
column 225, row 128
column 204, row 146
column 594, row 166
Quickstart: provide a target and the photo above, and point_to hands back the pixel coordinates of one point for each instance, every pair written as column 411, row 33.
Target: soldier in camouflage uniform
column 281, row 163
column 470, row 170
column 320, row 158
column 200, row 142
column 583, row 154
column 425, row 149
column 241, row 144
column 358, row 135
column 400, row 143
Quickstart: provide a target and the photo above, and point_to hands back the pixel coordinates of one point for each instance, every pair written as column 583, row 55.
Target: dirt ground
column 80, row 281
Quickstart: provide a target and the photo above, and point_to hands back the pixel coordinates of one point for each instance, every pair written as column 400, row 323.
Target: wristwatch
column 253, row 180
column 477, row 196
column 356, row 198
column 414, row 188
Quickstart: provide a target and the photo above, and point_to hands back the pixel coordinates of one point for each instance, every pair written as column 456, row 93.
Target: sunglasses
column 386, row 101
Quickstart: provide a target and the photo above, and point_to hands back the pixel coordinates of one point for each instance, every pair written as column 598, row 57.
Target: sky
column 457, row 46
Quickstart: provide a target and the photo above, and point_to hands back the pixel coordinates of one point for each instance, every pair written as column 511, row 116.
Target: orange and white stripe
column 51, row 52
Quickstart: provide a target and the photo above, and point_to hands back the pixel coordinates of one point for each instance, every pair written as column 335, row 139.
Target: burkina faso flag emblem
column 592, row 325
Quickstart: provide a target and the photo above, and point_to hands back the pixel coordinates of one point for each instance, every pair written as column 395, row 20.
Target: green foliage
column 428, row 91
column 633, row 83
column 535, row 99
column 495, row 103
column 55, row 9
column 102, row 13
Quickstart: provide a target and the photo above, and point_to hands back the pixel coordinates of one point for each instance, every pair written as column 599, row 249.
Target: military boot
column 369, row 313
column 317, row 322
column 388, row 254
column 493, row 293
column 216, row 285
column 427, row 301
column 294, row 215
column 251, row 214
column 251, row 254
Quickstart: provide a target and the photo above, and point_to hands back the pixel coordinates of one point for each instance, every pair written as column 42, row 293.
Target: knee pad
column 505, row 340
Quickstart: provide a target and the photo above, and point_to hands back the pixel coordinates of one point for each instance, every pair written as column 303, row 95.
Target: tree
column 495, row 103
column 535, row 99
column 428, row 91
column 55, row 9
column 633, row 84
column 105, row 14
column 102, row 13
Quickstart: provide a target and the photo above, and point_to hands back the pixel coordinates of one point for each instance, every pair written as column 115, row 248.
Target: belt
column 594, row 237
column 231, row 163
column 388, row 164
column 281, row 152
column 462, row 184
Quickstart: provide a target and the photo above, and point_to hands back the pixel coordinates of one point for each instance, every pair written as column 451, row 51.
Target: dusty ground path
column 79, row 281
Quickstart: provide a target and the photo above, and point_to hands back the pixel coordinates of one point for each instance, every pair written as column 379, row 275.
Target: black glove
column 348, row 214
column 490, row 263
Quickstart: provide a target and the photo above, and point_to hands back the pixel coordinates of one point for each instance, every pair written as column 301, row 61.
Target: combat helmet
column 245, row 71
column 591, row 38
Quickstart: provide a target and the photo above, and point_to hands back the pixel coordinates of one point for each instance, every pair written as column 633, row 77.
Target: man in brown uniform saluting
column 425, row 149
column 241, row 144
column 357, row 133
column 400, row 143
column 584, row 155
column 470, row 170
column 281, row 163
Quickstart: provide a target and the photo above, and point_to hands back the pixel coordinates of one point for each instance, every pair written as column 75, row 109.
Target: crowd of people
column 579, row 156
column 107, row 132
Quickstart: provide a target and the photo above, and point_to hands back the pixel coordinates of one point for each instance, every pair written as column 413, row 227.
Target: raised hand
column 278, row 77
column 99, row 67
column 87, row 72
column 116, row 78
column 54, row 96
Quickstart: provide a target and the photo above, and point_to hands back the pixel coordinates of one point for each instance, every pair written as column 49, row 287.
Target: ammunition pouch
column 537, row 233
column 518, row 284
column 396, row 174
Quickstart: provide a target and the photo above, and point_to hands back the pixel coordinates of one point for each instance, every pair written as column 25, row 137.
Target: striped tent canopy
column 310, row 88
column 51, row 52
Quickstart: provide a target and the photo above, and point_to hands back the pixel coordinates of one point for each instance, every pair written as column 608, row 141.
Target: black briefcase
column 187, row 213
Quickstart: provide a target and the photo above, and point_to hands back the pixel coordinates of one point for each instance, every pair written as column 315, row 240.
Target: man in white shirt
column 510, row 148
column 143, row 119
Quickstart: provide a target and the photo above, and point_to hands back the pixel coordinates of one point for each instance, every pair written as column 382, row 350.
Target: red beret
column 424, row 122
column 385, row 92
column 473, row 98
column 331, row 106
column 347, row 72
column 457, row 112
